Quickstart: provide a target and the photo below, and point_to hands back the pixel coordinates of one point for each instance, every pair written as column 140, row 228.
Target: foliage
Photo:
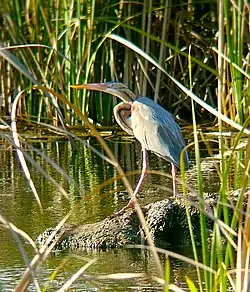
column 66, row 42
column 201, row 49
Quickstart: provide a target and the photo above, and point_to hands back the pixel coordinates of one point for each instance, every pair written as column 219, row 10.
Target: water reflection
column 87, row 171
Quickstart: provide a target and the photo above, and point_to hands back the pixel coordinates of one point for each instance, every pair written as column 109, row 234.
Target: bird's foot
column 130, row 205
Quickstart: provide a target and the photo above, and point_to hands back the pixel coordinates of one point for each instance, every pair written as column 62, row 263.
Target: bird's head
column 115, row 88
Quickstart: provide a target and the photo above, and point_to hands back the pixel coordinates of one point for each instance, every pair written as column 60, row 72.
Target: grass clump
column 192, row 58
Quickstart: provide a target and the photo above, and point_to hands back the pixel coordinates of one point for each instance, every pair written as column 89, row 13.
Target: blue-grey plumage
column 151, row 124
column 157, row 130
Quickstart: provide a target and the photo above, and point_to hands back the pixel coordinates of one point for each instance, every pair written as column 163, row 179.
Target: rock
column 166, row 219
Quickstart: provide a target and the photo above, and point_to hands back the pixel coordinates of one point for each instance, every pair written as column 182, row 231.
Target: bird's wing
column 162, row 142
column 157, row 131
column 171, row 146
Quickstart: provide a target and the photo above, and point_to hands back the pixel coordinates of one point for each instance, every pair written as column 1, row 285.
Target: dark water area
column 87, row 205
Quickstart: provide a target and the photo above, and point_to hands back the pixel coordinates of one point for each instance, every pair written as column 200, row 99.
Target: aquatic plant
column 192, row 58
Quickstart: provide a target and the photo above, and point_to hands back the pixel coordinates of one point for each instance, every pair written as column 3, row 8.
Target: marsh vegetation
column 193, row 58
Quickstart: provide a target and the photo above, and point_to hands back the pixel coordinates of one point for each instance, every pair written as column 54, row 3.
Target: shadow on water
column 87, row 171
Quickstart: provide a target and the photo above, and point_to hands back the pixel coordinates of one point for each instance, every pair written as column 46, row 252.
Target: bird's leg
column 143, row 173
column 174, row 173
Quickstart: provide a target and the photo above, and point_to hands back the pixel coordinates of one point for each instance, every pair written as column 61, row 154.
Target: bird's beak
column 92, row 86
column 108, row 87
column 105, row 87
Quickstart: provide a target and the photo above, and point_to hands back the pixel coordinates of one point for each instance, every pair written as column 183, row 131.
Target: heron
column 152, row 125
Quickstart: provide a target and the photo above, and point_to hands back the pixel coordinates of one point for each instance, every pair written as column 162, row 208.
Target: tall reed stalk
column 145, row 44
column 77, row 51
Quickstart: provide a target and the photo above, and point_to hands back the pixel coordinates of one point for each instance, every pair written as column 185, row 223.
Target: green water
column 88, row 171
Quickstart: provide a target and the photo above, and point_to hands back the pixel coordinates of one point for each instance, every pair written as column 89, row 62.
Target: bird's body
column 152, row 125
column 157, row 131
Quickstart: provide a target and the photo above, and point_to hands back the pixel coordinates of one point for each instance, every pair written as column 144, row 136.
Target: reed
column 230, row 220
column 197, row 65
column 64, row 43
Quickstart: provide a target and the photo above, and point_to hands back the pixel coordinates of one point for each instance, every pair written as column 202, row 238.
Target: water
column 88, row 171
